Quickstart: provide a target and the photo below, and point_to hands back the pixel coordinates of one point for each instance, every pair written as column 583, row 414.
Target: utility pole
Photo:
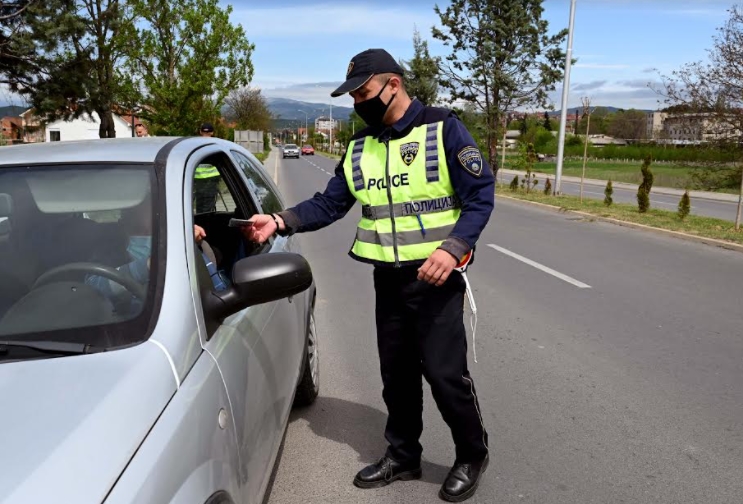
column 565, row 92
column 331, row 126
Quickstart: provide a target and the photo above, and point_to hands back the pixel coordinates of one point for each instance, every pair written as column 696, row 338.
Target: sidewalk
column 272, row 164
column 622, row 185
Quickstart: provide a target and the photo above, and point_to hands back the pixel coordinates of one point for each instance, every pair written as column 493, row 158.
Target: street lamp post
column 331, row 126
column 564, row 111
column 306, row 124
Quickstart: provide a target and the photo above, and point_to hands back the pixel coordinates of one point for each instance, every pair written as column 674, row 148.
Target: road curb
column 677, row 234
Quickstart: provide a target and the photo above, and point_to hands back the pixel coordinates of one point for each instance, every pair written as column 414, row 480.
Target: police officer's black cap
column 363, row 66
column 207, row 127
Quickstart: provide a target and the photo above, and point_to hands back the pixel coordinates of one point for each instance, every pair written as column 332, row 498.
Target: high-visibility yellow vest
column 206, row 171
column 409, row 204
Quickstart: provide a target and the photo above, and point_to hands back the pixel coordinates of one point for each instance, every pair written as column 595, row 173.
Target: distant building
column 323, row 123
column 697, row 128
column 32, row 127
column 654, row 127
column 85, row 127
column 11, row 129
column 604, row 140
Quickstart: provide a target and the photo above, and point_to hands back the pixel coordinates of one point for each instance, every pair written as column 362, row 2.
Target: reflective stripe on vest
column 358, row 177
column 409, row 205
column 206, row 171
column 403, row 237
column 432, row 153
column 410, row 208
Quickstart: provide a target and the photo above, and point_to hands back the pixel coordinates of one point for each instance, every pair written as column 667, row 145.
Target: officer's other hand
column 437, row 267
column 262, row 229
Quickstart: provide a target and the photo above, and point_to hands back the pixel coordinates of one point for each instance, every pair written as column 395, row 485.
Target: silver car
column 290, row 150
column 139, row 360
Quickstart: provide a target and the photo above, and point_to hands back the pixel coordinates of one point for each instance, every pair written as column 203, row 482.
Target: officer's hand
column 262, row 229
column 437, row 267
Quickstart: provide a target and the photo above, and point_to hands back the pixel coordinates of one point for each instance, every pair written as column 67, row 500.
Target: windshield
column 290, row 146
column 75, row 253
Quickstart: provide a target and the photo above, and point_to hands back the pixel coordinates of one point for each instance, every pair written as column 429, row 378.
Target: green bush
column 643, row 192
column 514, row 183
column 547, row 187
column 608, row 193
column 684, row 206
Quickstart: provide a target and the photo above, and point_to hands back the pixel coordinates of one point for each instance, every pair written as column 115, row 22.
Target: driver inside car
column 139, row 249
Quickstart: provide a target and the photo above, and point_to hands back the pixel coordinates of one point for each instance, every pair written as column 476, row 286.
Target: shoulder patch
column 471, row 160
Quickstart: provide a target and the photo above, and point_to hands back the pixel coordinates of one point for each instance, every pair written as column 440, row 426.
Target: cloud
column 602, row 66
column 587, row 86
column 649, row 70
column 312, row 92
column 328, row 21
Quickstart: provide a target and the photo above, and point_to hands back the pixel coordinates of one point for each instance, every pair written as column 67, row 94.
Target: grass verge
column 666, row 175
column 262, row 156
column 706, row 227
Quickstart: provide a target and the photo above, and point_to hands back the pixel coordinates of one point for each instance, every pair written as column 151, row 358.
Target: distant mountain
column 287, row 110
column 12, row 110
column 611, row 110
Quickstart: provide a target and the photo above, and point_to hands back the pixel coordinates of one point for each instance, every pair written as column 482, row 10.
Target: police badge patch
column 471, row 160
column 350, row 67
column 408, row 152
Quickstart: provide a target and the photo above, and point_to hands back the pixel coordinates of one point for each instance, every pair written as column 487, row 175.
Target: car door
column 269, row 201
column 252, row 346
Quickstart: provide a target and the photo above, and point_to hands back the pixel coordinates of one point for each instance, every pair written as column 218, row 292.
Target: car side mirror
column 260, row 279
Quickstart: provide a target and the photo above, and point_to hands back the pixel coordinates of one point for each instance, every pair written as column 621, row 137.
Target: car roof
column 109, row 150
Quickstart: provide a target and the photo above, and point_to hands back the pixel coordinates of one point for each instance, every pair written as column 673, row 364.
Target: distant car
column 136, row 380
column 291, row 150
column 308, row 150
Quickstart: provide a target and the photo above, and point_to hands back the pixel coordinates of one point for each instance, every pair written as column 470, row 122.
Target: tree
column 684, row 205
column 714, row 90
column 608, row 192
column 422, row 72
column 643, row 192
column 66, row 57
column 188, row 58
column 514, row 185
column 502, row 58
column 547, row 123
column 629, row 125
column 586, row 113
column 248, row 109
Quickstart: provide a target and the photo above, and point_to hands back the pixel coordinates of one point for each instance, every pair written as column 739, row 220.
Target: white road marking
column 541, row 267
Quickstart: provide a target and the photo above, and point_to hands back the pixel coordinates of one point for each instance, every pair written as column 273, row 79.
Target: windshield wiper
column 51, row 347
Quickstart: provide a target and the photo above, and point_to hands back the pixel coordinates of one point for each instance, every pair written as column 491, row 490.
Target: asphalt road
column 609, row 368
column 705, row 207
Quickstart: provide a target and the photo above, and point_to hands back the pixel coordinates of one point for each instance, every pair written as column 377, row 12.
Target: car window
column 210, row 192
column 76, row 250
column 290, row 146
column 264, row 190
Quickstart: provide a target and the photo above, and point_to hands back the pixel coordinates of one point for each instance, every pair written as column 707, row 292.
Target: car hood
column 70, row 425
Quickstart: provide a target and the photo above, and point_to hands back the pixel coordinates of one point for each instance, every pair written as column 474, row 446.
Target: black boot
column 462, row 481
column 385, row 472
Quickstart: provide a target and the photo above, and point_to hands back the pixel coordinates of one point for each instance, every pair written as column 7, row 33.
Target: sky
column 302, row 47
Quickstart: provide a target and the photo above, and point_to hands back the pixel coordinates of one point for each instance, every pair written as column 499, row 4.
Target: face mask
column 140, row 247
column 372, row 110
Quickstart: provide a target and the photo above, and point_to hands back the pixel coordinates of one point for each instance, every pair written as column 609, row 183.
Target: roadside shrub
column 547, row 187
column 514, row 183
column 608, row 193
column 684, row 205
column 643, row 199
column 643, row 192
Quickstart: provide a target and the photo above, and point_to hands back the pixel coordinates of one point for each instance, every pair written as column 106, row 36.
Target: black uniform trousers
column 420, row 332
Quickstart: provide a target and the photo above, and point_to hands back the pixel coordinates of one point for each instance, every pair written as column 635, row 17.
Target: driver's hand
column 198, row 233
column 262, row 229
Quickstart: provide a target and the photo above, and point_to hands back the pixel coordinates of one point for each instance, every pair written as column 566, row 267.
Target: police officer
column 206, row 179
column 426, row 195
